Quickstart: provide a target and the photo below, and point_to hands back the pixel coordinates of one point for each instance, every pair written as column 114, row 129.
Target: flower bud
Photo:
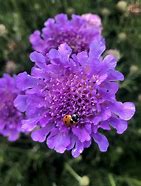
column 139, row 97
column 134, row 69
column 119, row 150
column 84, row 181
column 105, row 12
column 122, row 6
column 3, row 30
column 139, row 131
column 37, row 6
column 70, row 11
column 12, row 45
column 10, row 67
column 122, row 36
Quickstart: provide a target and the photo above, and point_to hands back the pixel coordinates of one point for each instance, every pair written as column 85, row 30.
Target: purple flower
column 10, row 117
column 70, row 97
column 78, row 33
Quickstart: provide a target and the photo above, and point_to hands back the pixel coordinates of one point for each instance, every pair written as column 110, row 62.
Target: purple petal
column 105, row 125
column 53, row 54
column 37, row 42
column 65, row 51
column 104, row 115
column 2, row 124
column 49, row 21
column 96, row 120
column 13, row 135
column 41, row 134
column 111, row 61
column 78, row 149
column 97, row 47
column 58, row 140
column 115, row 76
column 81, row 133
column 102, row 141
column 61, row 18
column 119, row 125
column 101, row 78
column 112, row 87
column 38, row 58
column 87, row 143
column 25, row 81
column 20, row 103
column 72, row 143
column 82, row 56
column 124, row 110
column 29, row 124
column 37, row 72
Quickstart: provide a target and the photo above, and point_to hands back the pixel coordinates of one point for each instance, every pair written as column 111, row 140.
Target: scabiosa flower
column 77, row 33
column 10, row 117
column 70, row 97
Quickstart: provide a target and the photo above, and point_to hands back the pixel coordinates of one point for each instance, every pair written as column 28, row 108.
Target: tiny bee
column 70, row 119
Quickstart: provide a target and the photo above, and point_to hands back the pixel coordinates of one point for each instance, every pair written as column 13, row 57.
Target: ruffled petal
column 78, row 149
column 21, row 103
column 105, row 114
column 29, row 124
column 41, row 134
column 102, row 141
column 115, row 76
column 13, row 135
column 105, row 125
column 2, row 124
column 119, row 125
column 37, row 42
column 58, row 140
column 81, row 133
column 124, row 110
column 38, row 58
column 37, row 72
column 25, row 81
column 110, row 61
column 65, row 51
column 97, row 47
column 61, row 18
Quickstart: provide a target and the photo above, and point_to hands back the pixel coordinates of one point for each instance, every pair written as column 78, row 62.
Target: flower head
column 10, row 117
column 70, row 97
column 77, row 33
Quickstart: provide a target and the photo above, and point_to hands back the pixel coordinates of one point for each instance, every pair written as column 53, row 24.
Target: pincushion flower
column 10, row 117
column 62, row 86
column 77, row 33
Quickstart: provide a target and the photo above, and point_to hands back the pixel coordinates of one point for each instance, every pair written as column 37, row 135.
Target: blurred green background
column 26, row 163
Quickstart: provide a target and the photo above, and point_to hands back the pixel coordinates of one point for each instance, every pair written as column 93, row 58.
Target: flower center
column 73, row 95
column 73, row 39
column 9, row 114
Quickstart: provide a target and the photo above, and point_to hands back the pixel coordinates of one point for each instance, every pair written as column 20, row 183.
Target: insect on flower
column 70, row 119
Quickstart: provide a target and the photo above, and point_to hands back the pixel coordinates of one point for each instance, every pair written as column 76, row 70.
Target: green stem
column 111, row 179
column 72, row 172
